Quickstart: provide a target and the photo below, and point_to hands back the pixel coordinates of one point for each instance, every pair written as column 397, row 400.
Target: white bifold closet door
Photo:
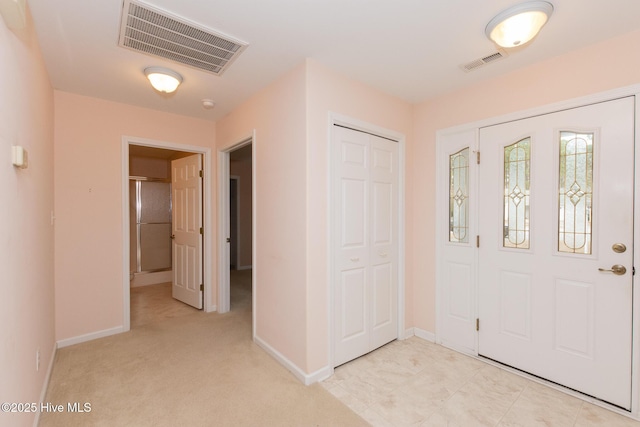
column 365, row 250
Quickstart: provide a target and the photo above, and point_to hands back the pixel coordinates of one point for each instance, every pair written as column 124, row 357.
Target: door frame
column 362, row 126
column 472, row 130
column 224, row 293
column 206, row 219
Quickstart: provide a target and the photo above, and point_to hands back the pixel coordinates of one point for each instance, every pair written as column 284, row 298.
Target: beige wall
column 277, row 114
column 291, row 119
column 608, row 65
column 26, row 253
column 88, row 203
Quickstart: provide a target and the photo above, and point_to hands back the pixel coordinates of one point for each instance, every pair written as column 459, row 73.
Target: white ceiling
column 408, row 48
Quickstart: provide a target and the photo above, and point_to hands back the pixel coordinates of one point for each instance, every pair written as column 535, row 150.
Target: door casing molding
column 442, row 220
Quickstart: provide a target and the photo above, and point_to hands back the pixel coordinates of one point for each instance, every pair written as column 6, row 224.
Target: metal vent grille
column 154, row 32
column 475, row 64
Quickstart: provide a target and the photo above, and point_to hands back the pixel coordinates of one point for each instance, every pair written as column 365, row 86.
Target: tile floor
column 417, row 383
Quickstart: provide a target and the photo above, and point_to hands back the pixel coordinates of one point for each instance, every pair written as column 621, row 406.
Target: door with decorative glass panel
column 555, row 253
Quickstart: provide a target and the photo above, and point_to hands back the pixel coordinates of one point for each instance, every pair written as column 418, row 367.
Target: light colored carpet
column 192, row 369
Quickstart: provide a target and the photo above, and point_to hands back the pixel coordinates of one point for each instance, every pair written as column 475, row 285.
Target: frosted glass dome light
column 519, row 24
column 163, row 79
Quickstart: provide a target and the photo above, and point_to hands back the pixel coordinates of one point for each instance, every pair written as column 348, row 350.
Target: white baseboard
column 408, row 333
column 306, row 379
column 45, row 385
column 319, row 375
column 425, row 335
column 88, row 337
column 245, row 267
column 146, row 279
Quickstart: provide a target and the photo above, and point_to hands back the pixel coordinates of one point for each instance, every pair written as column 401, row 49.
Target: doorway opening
column 234, row 222
column 240, row 226
column 152, row 261
column 237, row 227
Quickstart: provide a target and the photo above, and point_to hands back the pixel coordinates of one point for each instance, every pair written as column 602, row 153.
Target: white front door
column 365, row 278
column 187, row 229
column 555, row 217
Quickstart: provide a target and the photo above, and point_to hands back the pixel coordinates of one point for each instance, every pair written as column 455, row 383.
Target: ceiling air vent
column 155, row 32
column 474, row 65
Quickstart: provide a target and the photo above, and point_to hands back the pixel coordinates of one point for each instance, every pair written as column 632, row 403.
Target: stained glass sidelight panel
column 459, row 196
column 517, row 164
column 575, row 192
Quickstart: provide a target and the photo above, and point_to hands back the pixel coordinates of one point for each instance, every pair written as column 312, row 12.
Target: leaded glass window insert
column 575, row 192
column 459, row 196
column 517, row 166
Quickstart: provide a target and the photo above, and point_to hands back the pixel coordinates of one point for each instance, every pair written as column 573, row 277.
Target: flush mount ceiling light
column 163, row 79
column 519, row 24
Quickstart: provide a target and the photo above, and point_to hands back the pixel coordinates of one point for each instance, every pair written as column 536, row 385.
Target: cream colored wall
column 291, row 120
column 608, row 65
column 277, row 114
column 26, row 254
column 331, row 92
column 242, row 169
column 88, row 203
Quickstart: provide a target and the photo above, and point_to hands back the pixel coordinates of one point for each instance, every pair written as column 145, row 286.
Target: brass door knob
column 616, row 269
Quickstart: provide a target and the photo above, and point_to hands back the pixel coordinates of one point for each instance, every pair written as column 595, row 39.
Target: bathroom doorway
column 149, row 296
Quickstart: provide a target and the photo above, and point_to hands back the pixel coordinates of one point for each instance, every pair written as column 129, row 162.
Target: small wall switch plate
column 19, row 156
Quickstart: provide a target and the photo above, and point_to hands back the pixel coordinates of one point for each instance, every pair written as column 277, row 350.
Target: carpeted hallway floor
column 187, row 368
column 181, row 367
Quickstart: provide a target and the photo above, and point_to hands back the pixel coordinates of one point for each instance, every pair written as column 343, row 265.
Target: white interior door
column 366, row 201
column 187, row 232
column 556, row 210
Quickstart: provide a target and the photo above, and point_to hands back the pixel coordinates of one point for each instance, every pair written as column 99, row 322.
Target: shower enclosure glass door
column 150, row 225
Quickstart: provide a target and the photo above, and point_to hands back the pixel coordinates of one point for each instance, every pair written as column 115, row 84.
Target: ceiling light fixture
column 163, row 79
column 519, row 24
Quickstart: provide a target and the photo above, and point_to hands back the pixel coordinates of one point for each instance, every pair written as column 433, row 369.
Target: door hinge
column 477, row 324
column 478, row 241
column 478, row 157
column 201, row 287
column 201, row 174
column 201, row 230
column 633, row 271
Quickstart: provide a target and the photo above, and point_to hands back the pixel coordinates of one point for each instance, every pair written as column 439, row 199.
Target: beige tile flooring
column 417, row 383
